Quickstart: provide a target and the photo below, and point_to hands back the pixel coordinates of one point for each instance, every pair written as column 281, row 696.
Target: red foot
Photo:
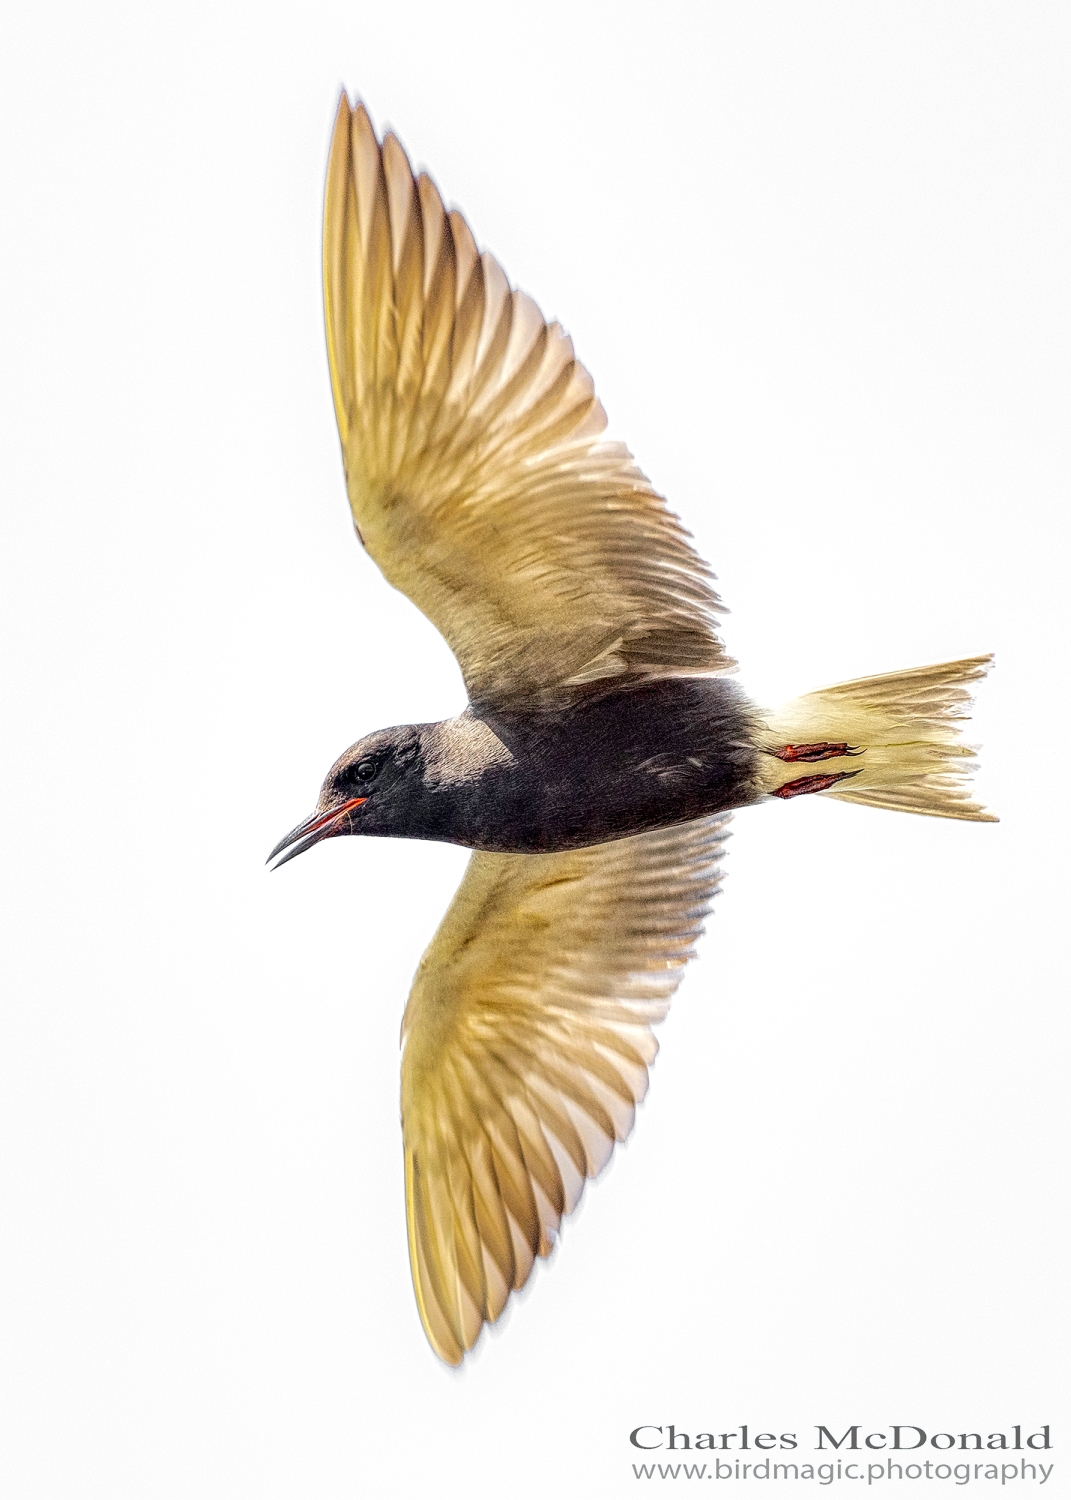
column 824, row 750
column 806, row 784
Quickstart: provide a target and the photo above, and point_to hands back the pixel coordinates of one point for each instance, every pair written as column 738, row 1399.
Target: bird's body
column 611, row 764
column 602, row 748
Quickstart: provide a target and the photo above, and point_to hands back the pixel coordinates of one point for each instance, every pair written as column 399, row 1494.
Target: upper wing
column 527, row 1039
column 477, row 474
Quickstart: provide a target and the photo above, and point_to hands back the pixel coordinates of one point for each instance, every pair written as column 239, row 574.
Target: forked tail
column 891, row 741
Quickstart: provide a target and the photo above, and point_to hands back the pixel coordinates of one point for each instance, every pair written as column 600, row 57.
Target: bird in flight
column 604, row 742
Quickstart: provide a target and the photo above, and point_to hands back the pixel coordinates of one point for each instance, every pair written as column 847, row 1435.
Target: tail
column 891, row 741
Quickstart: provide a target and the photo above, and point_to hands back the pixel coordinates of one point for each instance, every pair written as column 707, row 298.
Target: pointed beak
column 319, row 826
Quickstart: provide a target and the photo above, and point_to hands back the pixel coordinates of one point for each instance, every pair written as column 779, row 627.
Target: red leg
column 805, row 784
column 823, row 750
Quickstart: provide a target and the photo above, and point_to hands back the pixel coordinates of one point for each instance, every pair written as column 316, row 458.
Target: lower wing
column 527, row 1039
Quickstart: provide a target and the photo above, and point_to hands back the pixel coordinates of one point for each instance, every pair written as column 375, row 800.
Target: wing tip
column 352, row 118
column 447, row 1341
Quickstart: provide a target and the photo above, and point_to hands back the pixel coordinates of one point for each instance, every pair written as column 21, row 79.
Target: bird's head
column 365, row 791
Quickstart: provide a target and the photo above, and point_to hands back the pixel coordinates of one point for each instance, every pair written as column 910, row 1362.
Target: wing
column 527, row 1040
column 472, row 439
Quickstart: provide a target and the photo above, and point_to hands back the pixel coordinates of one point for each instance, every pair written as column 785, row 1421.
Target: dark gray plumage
column 615, row 763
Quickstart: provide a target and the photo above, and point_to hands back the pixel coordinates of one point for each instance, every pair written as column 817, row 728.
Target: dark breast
column 614, row 764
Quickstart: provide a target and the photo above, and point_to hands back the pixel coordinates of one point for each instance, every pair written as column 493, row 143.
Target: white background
column 816, row 257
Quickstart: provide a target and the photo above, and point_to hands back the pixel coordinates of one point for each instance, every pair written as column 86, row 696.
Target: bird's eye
column 364, row 770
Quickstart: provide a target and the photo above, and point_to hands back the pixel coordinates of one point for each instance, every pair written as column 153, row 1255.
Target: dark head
column 367, row 790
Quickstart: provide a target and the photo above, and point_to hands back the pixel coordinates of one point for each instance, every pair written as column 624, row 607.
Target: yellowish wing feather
column 477, row 470
column 527, row 1039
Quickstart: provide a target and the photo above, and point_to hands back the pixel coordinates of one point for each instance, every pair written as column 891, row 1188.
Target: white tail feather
column 903, row 733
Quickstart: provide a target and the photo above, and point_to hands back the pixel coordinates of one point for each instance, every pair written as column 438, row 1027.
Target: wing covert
column 527, row 1039
column 476, row 466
